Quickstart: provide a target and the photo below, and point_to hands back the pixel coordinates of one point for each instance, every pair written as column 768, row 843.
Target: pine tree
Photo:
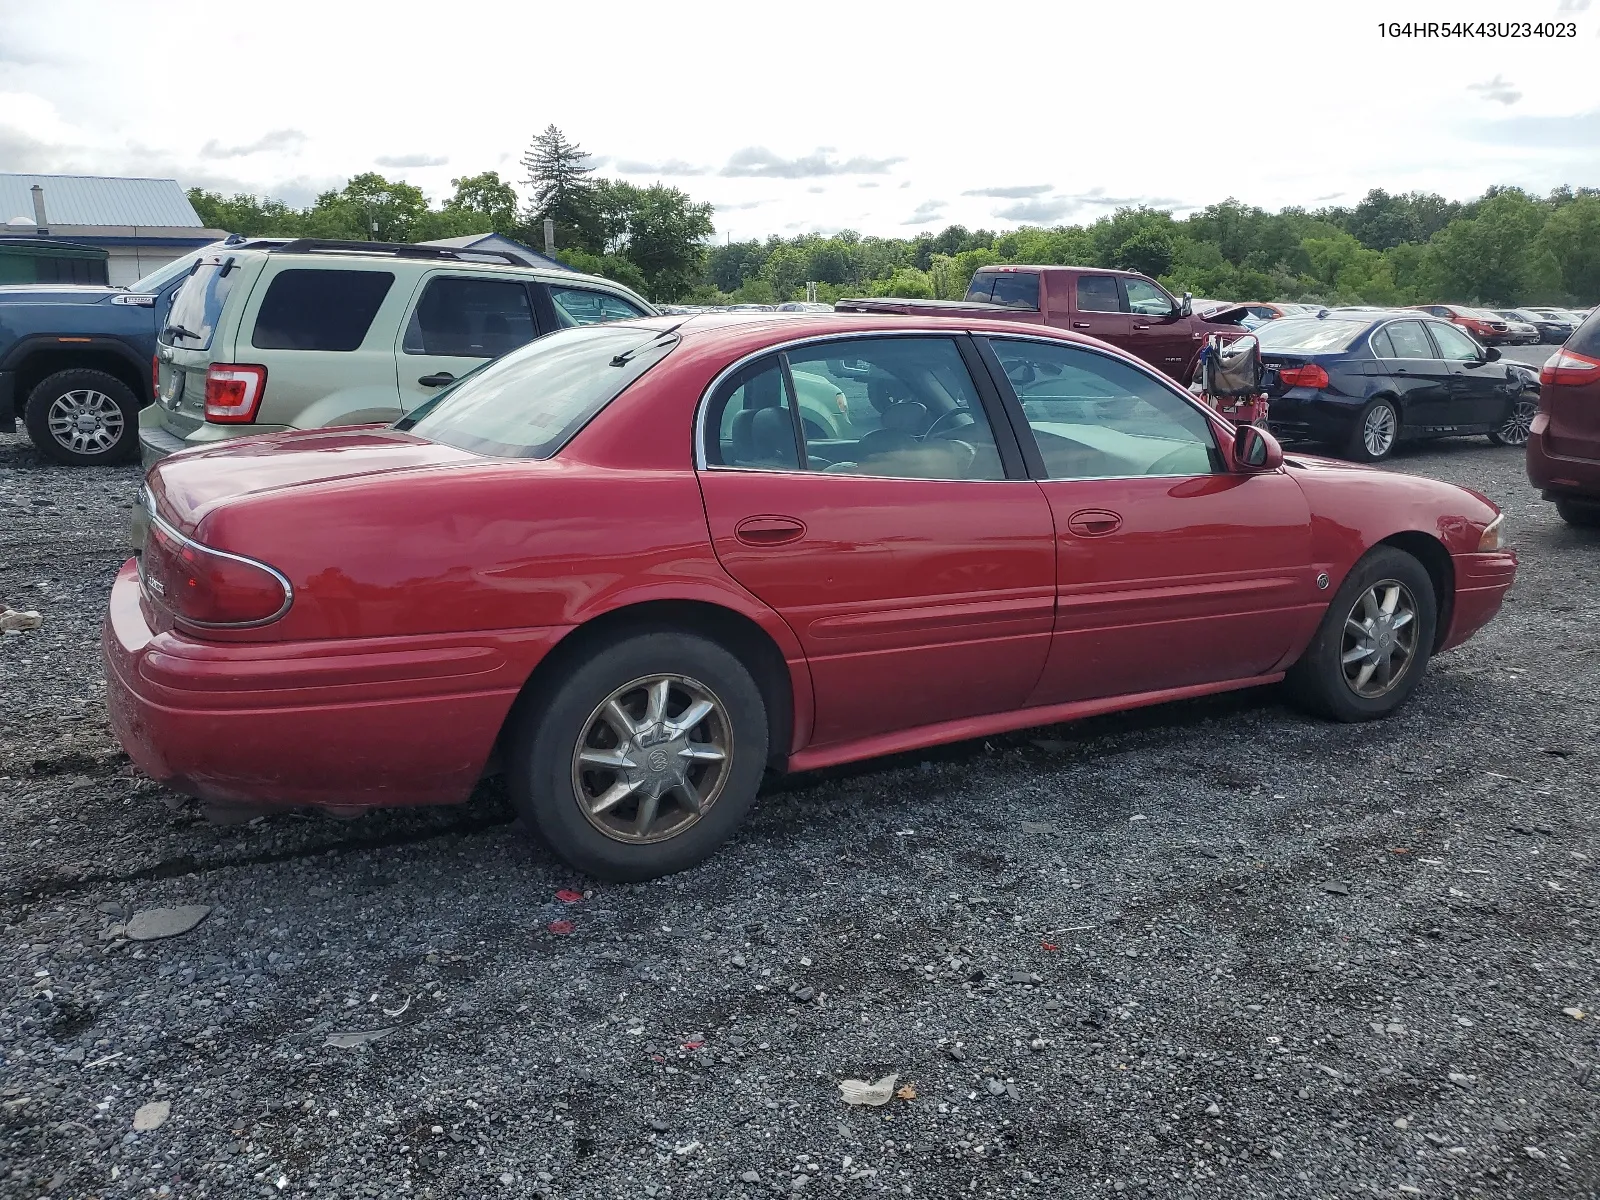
column 559, row 188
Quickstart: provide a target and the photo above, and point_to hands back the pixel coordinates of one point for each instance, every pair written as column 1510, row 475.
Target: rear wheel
column 1516, row 429
column 1374, row 641
column 84, row 417
column 1376, row 431
column 643, row 758
column 1576, row 512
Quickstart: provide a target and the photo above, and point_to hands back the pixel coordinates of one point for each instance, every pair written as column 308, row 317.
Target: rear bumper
column 1293, row 417
column 156, row 441
column 1557, row 475
column 360, row 721
column 1482, row 581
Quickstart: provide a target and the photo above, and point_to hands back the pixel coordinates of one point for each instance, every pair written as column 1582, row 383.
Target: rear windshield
column 1586, row 338
column 531, row 402
column 1309, row 335
column 197, row 306
column 1014, row 289
column 319, row 309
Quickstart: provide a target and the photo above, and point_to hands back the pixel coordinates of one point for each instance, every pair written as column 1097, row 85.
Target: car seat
column 763, row 434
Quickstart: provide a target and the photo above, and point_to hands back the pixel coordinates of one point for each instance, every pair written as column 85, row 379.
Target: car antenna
column 622, row 360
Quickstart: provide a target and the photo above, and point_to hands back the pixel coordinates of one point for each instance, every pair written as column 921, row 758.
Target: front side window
column 1408, row 339
column 531, row 402
column 462, row 317
column 1098, row 293
column 1097, row 417
column 898, row 408
column 197, row 305
column 1454, row 345
column 318, row 309
column 585, row 306
column 1146, row 299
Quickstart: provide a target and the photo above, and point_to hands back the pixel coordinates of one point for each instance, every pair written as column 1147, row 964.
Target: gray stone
column 156, row 923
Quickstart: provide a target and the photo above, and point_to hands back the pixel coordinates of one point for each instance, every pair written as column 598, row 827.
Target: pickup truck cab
column 1129, row 310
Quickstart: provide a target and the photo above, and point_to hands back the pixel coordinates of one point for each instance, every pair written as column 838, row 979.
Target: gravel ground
column 1211, row 949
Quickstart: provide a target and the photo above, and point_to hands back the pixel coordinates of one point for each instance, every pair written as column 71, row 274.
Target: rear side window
column 461, row 317
column 197, row 306
column 1013, row 289
column 1586, row 338
column 1409, row 339
column 315, row 309
column 1098, row 293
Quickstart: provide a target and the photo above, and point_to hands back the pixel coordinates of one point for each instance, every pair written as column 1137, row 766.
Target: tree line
column 1504, row 247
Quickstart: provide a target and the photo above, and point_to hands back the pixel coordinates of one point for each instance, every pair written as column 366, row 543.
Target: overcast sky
column 883, row 117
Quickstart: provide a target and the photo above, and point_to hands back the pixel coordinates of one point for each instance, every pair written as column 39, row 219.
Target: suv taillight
column 233, row 393
column 1570, row 368
column 1311, row 375
column 209, row 588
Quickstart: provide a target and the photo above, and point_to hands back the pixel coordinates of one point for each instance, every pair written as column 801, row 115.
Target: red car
column 618, row 564
column 1482, row 324
column 1564, row 440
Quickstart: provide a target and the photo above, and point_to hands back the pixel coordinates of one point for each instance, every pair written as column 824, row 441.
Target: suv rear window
column 1586, row 338
column 197, row 306
column 531, row 402
column 1014, row 289
column 306, row 309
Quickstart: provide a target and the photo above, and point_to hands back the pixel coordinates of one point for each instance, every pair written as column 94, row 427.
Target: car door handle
column 1094, row 522
column 769, row 531
column 1081, row 325
column 1141, row 327
column 437, row 379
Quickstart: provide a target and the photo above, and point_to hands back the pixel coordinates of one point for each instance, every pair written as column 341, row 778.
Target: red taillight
column 1570, row 368
column 155, row 377
column 209, row 588
column 1311, row 375
column 233, row 393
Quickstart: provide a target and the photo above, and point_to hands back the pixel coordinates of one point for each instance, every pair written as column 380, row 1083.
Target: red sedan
column 631, row 566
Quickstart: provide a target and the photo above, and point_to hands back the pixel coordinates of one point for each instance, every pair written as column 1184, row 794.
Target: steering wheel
column 943, row 417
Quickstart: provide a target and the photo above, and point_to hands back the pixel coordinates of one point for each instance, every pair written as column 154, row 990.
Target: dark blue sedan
column 1364, row 380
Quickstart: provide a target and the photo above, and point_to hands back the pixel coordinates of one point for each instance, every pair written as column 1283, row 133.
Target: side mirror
column 1186, row 305
column 1255, row 450
column 1490, row 354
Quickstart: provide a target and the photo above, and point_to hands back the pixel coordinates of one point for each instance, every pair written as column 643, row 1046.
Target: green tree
column 1571, row 237
column 660, row 229
column 1485, row 258
column 559, row 188
column 486, row 199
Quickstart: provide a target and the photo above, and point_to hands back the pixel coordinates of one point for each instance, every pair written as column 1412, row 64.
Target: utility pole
column 549, row 235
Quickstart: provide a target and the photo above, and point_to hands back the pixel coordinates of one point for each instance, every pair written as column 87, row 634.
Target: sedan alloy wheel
column 1380, row 639
column 1519, row 425
column 1378, row 429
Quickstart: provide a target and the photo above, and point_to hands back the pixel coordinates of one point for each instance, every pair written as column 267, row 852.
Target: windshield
column 1309, row 335
column 197, row 306
column 531, row 402
column 161, row 276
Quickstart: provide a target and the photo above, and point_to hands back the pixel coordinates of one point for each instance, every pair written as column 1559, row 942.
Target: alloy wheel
column 1378, row 430
column 1380, row 639
column 85, row 421
column 653, row 758
column 1519, row 425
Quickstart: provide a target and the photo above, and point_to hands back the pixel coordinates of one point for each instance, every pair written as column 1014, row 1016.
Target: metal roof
column 97, row 200
column 497, row 241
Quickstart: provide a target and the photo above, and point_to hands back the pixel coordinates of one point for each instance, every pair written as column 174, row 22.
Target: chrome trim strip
column 283, row 580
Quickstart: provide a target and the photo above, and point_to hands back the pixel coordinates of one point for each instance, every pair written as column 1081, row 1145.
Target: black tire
column 1318, row 681
column 1518, row 425
column 1356, row 446
column 545, row 780
column 92, row 392
column 1579, row 514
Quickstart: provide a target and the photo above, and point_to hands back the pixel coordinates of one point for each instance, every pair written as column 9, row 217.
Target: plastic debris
column 363, row 1037
column 568, row 896
column 152, row 1116
column 561, row 926
column 859, row 1091
column 906, row 1091
column 156, row 923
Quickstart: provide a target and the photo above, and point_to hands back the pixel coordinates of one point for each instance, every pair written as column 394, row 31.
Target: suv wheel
column 1576, row 512
column 644, row 758
column 83, row 417
column 1374, row 642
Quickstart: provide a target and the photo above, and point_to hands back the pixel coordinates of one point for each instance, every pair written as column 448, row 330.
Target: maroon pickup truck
column 1126, row 309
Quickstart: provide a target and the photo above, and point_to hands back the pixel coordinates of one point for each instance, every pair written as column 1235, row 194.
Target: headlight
column 1490, row 538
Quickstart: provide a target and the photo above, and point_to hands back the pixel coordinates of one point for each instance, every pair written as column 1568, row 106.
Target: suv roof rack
column 396, row 249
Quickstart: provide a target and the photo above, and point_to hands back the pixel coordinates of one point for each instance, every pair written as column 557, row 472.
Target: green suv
column 264, row 337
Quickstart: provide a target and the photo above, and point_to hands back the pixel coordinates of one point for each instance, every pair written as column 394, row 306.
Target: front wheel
column 1516, row 429
column 1374, row 642
column 84, row 417
column 1376, row 431
column 643, row 758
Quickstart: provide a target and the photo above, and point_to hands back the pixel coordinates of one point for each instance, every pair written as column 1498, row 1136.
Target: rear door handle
column 1094, row 522
column 1081, row 325
column 438, row 379
column 1141, row 327
column 769, row 530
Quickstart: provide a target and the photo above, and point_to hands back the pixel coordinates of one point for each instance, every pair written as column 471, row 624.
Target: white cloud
column 287, row 141
column 1496, row 89
column 411, row 160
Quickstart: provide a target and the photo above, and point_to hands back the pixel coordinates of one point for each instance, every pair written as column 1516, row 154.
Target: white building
column 140, row 223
